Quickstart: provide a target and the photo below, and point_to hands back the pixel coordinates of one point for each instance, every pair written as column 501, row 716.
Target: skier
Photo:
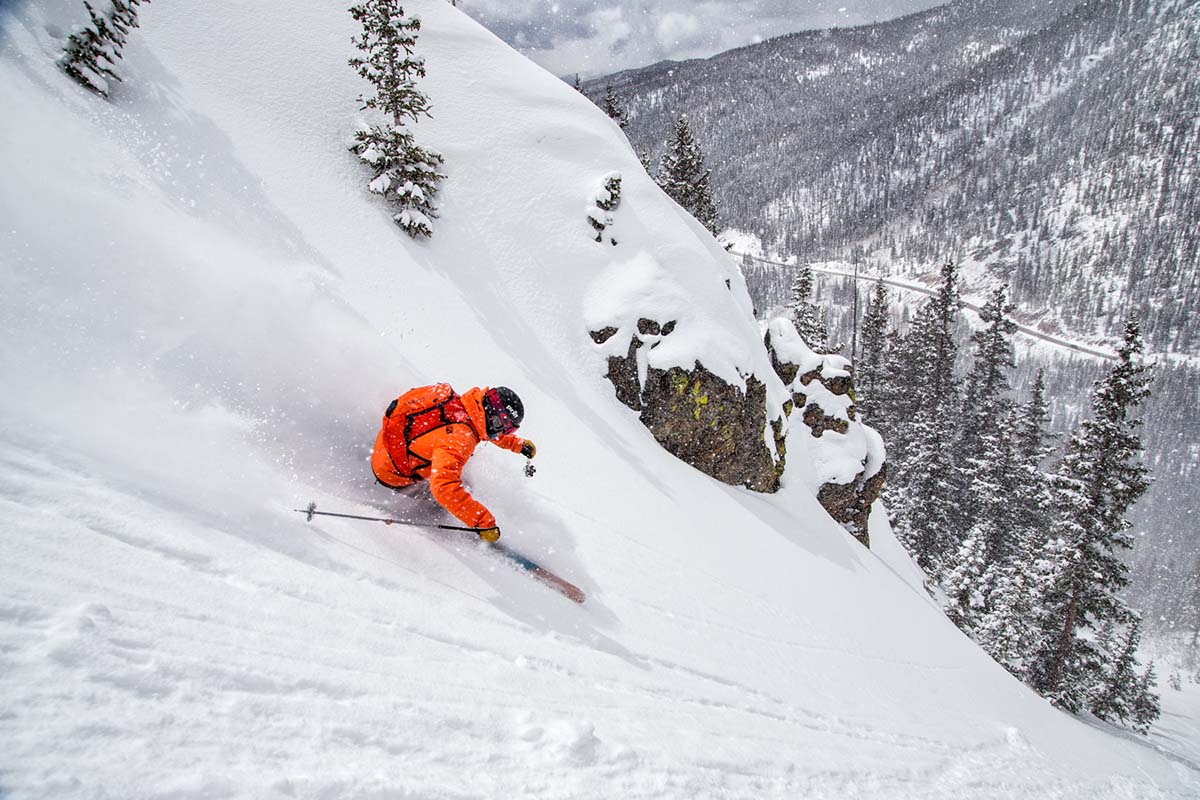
column 428, row 433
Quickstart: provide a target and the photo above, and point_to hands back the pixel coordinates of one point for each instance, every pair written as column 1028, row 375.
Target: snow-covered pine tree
column 1008, row 630
column 612, row 106
column 987, row 383
column 983, row 452
column 1016, row 519
column 869, row 366
column 924, row 500
column 682, row 175
column 938, row 340
column 1146, row 705
column 605, row 201
column 647, row 160
column 1033, row 437
column 893, row 403
column 1051, row 592
column 969, row 582
column 1033, row 445
column 1114, row 694
column 924, row 507
column 1095, row 486
column 404, row 172
column 91, row 53
column 807, row 316
column 996, row 482
column 93, row 50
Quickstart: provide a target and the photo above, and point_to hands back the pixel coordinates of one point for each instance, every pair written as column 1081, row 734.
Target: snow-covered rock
column 848, row 456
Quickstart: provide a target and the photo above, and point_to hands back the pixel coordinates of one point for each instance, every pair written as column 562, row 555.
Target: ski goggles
column 500, row 421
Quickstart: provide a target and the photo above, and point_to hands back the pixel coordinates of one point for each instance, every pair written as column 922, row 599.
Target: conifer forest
column 1025, row 154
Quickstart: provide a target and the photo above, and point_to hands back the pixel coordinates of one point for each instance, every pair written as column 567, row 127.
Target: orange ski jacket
column 440, row 455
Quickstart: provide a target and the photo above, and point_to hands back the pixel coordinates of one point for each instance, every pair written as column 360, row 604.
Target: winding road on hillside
column 910, row 286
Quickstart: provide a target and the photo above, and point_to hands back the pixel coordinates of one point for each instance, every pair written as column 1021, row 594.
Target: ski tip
column 563, row 587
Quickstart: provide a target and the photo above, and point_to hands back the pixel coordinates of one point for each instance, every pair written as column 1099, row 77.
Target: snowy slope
column 203, row 314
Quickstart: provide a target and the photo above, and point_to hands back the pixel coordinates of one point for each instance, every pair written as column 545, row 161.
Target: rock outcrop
column 848, row 455
column 717, row 427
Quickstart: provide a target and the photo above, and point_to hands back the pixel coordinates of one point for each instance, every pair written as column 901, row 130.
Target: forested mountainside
column 1165, row 562
column 1052, row 146
column 1031, row 141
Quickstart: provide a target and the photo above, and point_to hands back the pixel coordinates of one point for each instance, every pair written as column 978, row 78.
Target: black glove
column 528, row 449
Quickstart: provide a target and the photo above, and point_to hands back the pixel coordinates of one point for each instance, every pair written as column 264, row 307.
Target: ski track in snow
column 188, row 658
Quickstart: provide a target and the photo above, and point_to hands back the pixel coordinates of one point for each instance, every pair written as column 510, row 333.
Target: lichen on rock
column 698, row 417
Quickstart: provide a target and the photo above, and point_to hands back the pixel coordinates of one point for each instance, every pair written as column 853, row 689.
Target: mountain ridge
column 865, row 157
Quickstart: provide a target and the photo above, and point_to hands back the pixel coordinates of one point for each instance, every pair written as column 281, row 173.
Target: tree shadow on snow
column 1138, row 739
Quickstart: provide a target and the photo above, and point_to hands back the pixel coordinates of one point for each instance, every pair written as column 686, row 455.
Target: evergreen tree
column 997, row 481
column 969, row 582
column 868, row 368
column 578, row 85
column 404, row 172
column 807, row 316
column 1051, row 593
column 647, row 160
column 1022, row 553
column 983, row 452
column 682, row 175
column 936, row 336
column 1146, row 705
column 1032, row 442
column 893, row 403
column 928, row 520
column 1095, row 486
column 1115, row 692
column 1033, row 438
column 1009, row 630
column 92, row 52
column 612, row 106
column 925, row 510
column 987, row 383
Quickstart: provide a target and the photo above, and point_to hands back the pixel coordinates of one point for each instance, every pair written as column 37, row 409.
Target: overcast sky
column 595, row 37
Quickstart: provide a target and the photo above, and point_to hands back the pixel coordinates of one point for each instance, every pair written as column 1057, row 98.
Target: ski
column 541, row 574
column 537, row 571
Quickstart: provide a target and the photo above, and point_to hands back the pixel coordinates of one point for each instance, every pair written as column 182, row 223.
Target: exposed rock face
column 850, row 503
column 696, row 416
column 849, row 455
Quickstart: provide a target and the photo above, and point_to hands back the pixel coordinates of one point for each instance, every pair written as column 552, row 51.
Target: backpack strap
column 449, row 411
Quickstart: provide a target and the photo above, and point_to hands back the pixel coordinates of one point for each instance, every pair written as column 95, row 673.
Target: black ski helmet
column 502, row 410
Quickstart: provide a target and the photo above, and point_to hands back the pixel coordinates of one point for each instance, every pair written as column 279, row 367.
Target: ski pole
column 311, row 511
